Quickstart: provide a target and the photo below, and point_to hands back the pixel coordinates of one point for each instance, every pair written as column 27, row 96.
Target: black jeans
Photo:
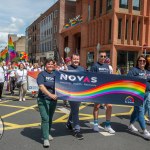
column 1, row 88
column 12, row 84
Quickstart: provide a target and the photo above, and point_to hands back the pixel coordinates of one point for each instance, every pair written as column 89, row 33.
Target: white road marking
column 64, row 110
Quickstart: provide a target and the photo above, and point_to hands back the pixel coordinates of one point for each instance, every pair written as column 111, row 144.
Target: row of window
column 49, row 19
column 47, row 46
column 48, row 32
column 122, row 4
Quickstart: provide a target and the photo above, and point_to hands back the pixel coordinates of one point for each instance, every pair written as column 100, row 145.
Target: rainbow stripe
column 128, row 87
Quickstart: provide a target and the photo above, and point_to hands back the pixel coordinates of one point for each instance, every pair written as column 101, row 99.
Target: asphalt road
column 22, row 128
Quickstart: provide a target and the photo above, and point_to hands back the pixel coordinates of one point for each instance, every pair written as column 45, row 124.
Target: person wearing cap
column 103, row 68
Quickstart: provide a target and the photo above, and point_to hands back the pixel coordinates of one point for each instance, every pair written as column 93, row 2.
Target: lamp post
column 144, row 49
column 98, row 47
column 67, row 50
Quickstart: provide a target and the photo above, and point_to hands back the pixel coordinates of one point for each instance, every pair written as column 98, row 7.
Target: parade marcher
column 138, row 112
column 12, row 78
column 74, row 112
column 21, row 77
column 47, row 99
column 2, row 79
column 147, row 95
column 102, row 68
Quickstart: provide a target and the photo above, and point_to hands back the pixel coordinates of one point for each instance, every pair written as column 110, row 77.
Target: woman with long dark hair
column 138, row 112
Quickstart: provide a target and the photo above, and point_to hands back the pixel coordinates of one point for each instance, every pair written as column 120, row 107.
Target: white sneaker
column 24, row 99
column 109, row 129
column 132, row 128
column 146, row 134
column 20, row 99
column 95, row 127
column 0, row 99
column 46, row 143
column 50, row 138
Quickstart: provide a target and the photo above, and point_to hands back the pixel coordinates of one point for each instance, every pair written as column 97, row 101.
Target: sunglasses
column 102, row 56
column 141, row 60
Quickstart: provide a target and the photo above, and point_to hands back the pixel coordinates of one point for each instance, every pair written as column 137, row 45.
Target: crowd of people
column 47, row 99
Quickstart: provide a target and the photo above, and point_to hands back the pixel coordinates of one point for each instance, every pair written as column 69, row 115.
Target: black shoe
column 78, row 135
column 69, row 126
column 102, row 107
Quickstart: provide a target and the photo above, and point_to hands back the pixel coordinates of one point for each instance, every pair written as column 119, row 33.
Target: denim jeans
column 138, row 115
column 47, row 109
column 147, row 104
column 74, row 115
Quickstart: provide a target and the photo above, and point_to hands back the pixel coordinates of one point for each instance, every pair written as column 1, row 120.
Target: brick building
column 121, row 27
column 43, row 35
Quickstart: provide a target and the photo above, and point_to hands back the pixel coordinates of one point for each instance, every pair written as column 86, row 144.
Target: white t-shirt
column 2, row 75
column 111, row 69
column 21, row 75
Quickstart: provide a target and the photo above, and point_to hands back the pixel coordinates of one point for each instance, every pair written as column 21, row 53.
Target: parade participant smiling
column 138, row 113
column 47, row 100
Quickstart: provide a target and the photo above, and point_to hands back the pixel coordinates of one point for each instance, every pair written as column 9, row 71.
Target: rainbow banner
column 99, row 88
column 11, row 49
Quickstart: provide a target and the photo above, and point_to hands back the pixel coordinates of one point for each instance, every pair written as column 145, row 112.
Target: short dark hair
column 49, row 60
column 76, row 54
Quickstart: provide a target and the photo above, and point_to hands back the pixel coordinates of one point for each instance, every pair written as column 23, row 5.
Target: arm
column 46, row 92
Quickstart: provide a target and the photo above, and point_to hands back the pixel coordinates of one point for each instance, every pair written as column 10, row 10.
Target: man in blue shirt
column 74, row 113
column 103, row 68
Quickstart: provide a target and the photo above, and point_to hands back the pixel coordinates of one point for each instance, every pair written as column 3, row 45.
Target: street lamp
column 144, row 49
column 98, row 47
column 67, row 50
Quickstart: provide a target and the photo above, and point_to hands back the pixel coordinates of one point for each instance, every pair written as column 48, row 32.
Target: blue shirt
column 48, row 80
column 144, row 74
column 75, row 68
column 101, row 68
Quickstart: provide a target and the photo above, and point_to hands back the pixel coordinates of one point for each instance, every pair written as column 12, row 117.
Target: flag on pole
column 11, row 49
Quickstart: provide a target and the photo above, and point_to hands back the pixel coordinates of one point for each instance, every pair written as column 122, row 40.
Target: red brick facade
column 121, row 32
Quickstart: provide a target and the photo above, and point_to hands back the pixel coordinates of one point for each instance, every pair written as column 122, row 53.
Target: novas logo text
column 74, row 78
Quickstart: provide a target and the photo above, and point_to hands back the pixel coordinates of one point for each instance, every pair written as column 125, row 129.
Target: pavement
column 22, row 128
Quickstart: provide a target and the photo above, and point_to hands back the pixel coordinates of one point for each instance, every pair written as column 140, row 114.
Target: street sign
column 51, row 54
column 67, row 50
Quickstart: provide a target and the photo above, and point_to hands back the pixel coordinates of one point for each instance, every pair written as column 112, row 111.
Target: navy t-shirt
column 48, row 80
column 101, row 68
column 144, row 74
column 75, row 68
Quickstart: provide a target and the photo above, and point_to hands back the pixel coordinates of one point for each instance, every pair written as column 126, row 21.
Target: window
column 55, row 13
column 110, row 22
column 101, row 6
column 109, row 4
column 132, row 29
column 119, row 28
column 126, row 36
column 123, row 4
column 136, row 4
column 94, row 9
column 138, row 31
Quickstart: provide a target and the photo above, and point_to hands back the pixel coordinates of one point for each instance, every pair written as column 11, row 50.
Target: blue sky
column 17, row 15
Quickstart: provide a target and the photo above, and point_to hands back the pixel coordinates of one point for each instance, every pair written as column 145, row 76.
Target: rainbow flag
column 4, row 53
column 11, row 49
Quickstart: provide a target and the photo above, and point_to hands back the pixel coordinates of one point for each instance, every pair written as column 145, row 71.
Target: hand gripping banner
column 99, row 88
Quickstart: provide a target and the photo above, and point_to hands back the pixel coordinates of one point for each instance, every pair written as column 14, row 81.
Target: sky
column 17, row 15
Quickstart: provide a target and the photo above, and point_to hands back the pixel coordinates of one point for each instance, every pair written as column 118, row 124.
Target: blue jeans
column 138, row 115
column 74, row 115
column 147, row 104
